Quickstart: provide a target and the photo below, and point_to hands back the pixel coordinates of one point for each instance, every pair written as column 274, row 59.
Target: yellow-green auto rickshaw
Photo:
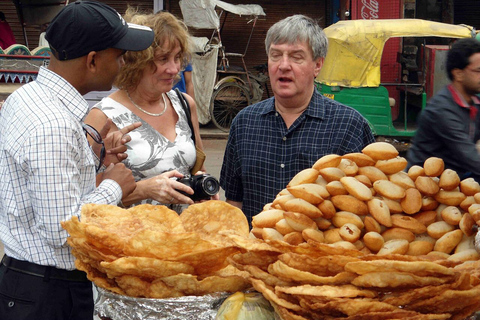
column 388, row 82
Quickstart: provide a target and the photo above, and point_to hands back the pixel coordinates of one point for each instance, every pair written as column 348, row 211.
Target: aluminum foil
column 118, row 307
column 477, row 239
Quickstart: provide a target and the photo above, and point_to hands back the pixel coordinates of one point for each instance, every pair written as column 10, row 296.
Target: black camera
column 204, row 186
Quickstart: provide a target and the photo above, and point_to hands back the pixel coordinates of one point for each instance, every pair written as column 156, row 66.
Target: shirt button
column 284, row 139
column 282, row 166
column 11, row 304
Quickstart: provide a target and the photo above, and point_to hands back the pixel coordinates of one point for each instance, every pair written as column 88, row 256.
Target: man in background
column 449, row 126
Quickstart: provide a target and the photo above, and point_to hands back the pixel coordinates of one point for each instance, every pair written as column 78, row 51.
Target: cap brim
column 137, row 38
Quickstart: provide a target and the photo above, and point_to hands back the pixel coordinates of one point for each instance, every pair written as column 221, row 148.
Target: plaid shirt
column 262, row 155
column 47, row 170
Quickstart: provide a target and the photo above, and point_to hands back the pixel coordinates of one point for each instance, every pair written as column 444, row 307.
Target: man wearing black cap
column 47, row 168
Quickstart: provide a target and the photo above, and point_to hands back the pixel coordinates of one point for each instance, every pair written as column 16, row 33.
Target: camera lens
column 210, row 185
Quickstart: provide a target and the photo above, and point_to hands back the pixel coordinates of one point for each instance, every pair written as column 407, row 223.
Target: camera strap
column 186, row 109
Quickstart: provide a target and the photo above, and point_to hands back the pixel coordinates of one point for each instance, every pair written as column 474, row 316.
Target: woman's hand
column 164, row 189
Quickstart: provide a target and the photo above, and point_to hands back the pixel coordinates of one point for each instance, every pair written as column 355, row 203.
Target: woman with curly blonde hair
column 162, row 148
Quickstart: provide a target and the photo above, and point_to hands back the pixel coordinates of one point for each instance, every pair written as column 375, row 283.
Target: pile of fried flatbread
column 150, row 251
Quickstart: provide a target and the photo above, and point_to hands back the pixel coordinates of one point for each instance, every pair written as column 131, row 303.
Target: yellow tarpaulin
column 355, row 47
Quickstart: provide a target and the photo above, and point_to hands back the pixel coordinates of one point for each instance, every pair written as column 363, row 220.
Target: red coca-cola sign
column 369, row 9
column 376, row 9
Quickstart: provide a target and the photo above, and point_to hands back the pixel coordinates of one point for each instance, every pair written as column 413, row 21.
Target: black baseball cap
column 84, row 26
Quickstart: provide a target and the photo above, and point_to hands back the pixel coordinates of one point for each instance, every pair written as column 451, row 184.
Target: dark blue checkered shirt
column 262, row 155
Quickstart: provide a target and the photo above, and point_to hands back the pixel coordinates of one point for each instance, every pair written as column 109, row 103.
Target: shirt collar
column 65, row 92
column 458, row 98
column 317, row 112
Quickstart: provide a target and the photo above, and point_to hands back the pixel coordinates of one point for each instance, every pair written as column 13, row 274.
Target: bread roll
column 344, row 217
column 426, row 185
column 257, row 233
column 465, row 204
column 313, row 235
column 302, row 206
column 398, row 233
column 389, row 189
column 467, row 255
column 349, row 203
column 364, row 179
column 380, row 151
column 433, row 166
column 305, row 176
column 350, row 232
column 271, row 234
column 391, row 166
column 344, row 245
column 449, row 180
column 361, row 159
column 402, row 179
column 279, row 201
column 426, row 217
column 393, row 205
column 356, row 188
column 451, row 215
column 469, row 187
column 299, row 221
column 310, row 192
column 419, row 248
column 429, row 203
column 437, row 229
column 321, row 181
column 267, row 219
column 415, row 171
column 474, row 211
column 412, row 202
column 331, row 174
column 293, row 238
column 373, row 241
column 322, row 223
column 466, row 224
column 372, row 225
column 397, row 246
column 327, row 161
column 373, row 173
column 335, row 188
column 448, row 241
column 450, row 198
column 283, row 227
column 467, row 243
column 380, row 212
column 409, row 223
column 327, row 208
column 349, row 167
column 332, row 236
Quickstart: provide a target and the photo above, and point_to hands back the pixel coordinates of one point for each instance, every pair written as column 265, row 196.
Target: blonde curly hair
column 167, row 29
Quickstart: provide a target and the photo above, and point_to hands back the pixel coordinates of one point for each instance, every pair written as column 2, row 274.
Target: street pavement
column 214, row 141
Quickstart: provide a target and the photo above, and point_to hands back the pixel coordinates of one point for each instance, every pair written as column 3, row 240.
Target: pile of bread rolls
column 366, row 201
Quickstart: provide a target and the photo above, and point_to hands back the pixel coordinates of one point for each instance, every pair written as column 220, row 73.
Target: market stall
column 353, row 237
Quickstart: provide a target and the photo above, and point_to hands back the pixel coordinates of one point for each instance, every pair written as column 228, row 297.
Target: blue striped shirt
column 47, row 170
column 262, row 155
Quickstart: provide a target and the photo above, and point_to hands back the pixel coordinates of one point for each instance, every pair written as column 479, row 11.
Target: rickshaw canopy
column 201, row 14
column 355, row 47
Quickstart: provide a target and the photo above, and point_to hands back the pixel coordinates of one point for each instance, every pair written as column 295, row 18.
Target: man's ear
column 91, row 61
column 318, row 66
column 457, row 74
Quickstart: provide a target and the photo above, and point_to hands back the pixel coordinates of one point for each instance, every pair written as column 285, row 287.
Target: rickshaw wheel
column 227, row 101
